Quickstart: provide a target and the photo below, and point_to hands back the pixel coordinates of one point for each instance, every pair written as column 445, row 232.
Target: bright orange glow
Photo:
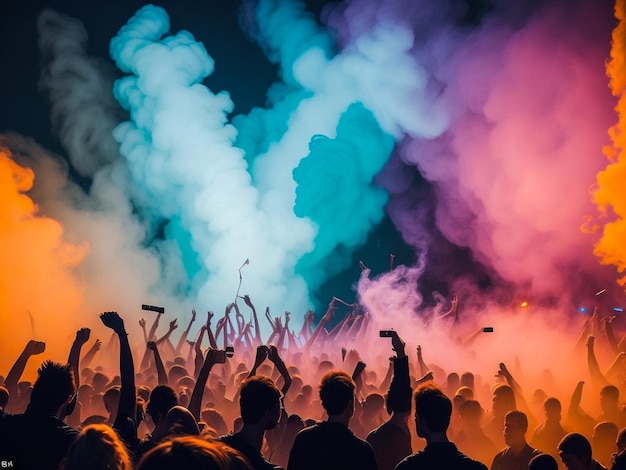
column 611, row 193
column 35, row 273
column 524, row 304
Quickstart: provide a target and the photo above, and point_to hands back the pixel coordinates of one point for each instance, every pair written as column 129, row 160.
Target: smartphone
column 152, row 308
column 230, row 351
column 387, row 333
column 220, row 356
column 488, row 329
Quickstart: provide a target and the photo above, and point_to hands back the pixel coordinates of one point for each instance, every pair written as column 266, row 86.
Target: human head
column 621, row 441
column 575, row 451
column 111, row 399
column 180, row 421
column 337, row 392
column 259, row 400
column 4, row 397
column 609, row 397
column 515, row 427
column 503, row 400
column 97, row 447
column 552, row 407
column 432, row 410
column 162, row 399
column 193, row 452
column 53, row 388
column 470, row 412
column 543, row 462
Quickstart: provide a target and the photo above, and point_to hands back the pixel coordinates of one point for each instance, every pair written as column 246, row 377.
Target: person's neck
column 400, row 419
column 437, row 437
column 342, row 418
column 518, row 447
column 253, row 435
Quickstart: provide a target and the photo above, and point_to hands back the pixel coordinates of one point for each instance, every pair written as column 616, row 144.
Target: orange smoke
column 39, row 297
column 611, row 194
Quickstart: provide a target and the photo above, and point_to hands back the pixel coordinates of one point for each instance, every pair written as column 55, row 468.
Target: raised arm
column 88, row 357
column 183, row 337
column 195, row 402
column 255, row 319
column 610, row 334
column 82, row 336
column 262, row 352
column 166, row 336
column 424, row 369
column 597, row 378
column 127, row 403
column 161, row 374
column 327, row 316
column 280, row 365
column 32, row 348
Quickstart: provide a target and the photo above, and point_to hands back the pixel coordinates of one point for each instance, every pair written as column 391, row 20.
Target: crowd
column 294, row 402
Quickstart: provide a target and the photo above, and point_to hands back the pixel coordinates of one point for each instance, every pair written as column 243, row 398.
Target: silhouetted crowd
column 296, row 401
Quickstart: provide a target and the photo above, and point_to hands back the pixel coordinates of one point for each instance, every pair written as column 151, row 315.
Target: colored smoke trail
column 522, row 116
column 611, row 193
column 36, row 273
column 180, row 150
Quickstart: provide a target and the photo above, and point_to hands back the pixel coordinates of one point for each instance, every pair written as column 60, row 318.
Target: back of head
column 97, row 447
column 4, row 396
column 470, row 410
column 621, row 440
column 336, row 391
column 53, row 387
column 575, row 444
column 162, row 399
column 467, row 380
column 433, row 407
column 180, row 421
column 605, row 431
column 258, row 394
column 193, row 452
column 543, row 462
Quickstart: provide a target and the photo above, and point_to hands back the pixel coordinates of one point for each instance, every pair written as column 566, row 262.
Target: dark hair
column 258, row 394
column 433, row 407
column 552, row 403
column 162, row 399
column 575, row 444
column 54, row 385
column 543, row 462
column 610, row 391
column 193, row 452
column 336, row 391
column 4, row 396
column 518, row 418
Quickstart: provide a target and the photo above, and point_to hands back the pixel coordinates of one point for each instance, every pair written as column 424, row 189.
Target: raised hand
column 97, row 345
column 262, row 353
column 193, row 315
column 82, row 335
column 151, row 345
column 272, row 353
column 173, row 325
column 142, row 322
column 246, row 299
column 35, row 347
column 113, row 321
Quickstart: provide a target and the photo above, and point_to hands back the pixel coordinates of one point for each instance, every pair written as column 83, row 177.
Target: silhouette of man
column 432, row 418
column 575, row 452
column 331, row 445
column 260, row 405
column 518, row 453
column 391, row 441
column 38, row 438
